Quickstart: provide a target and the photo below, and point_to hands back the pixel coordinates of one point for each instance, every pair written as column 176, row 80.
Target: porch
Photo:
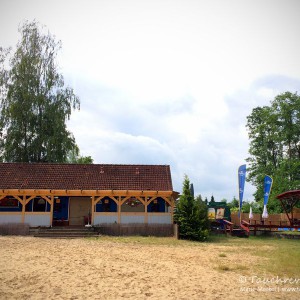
column 42, row 208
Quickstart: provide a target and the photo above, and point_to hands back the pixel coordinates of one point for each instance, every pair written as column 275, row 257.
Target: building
column 48, row 194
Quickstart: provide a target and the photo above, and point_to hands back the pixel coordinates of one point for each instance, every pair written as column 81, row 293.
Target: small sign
column 211, row 213
column 220, row 213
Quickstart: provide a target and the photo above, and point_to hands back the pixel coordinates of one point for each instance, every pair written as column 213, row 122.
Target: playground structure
column 233, row 225
column 220, row 219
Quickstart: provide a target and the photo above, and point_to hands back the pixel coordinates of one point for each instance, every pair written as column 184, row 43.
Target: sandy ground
column 36, row 268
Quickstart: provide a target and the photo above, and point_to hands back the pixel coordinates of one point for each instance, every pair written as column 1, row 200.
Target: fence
column 14, row 229
column 275, row 219
column 162, row 230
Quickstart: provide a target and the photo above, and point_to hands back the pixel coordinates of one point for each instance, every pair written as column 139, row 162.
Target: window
column 155, row 206
column 9, row 202
column 39, row 204
column 106, row 206
column 36, row 204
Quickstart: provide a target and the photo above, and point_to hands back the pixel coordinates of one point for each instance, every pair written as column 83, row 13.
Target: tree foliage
column 274, row 133
column 34, row 102
column 191, row 215
column 74, row 157
column 234, row 205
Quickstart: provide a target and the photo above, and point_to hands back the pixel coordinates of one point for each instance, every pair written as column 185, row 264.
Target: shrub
column 191, row 215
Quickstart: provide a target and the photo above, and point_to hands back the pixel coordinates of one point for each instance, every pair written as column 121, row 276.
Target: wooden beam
column 113, row 193
column 96, row 200
column 124, row 200
column 2, row 196
column 169, row 201
column 19, row 199
column 101, row 197
column 150, row 200
column 26, row 200
column 142, row 200
column 47, row 199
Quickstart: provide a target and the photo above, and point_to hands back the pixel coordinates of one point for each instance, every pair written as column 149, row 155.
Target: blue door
column 61, row 209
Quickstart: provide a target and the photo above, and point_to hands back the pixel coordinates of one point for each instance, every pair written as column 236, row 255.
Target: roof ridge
column 99, row 164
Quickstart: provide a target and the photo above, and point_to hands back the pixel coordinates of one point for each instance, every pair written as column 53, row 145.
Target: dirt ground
column 38, row 268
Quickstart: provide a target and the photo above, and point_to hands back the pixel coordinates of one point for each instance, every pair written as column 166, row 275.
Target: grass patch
column 241, row 267
column 280, row 257
column 146, row 240
column 290, row 232
column 222, row 255
column 217, row 238
column 283, row 257
column 223, row 268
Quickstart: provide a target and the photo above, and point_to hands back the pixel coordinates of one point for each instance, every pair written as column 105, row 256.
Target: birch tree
column 34, row 101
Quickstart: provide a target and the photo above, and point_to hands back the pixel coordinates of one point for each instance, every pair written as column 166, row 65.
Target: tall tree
column 191, row 215
column 274, row 133
column 35, row 104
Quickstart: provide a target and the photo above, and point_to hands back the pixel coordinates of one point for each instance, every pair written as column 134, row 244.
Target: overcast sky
column 169, row 82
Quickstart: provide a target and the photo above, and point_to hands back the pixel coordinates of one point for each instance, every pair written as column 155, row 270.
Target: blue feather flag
column 267, row 190
column 242, row 179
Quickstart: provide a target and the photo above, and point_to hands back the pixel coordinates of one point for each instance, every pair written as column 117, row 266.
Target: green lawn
column 282, row 256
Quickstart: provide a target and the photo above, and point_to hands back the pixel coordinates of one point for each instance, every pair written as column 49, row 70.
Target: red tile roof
column 289, row 195
column 85, row 177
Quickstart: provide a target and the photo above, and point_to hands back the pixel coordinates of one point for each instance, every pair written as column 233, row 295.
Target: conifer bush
column 191, row 215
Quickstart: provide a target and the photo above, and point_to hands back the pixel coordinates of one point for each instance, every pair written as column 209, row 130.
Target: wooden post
column 146, row 211
column 93, row 210
column 172, row 211
column 23, row 209
column 176, row 231
column 119, row 209
column 51, row 210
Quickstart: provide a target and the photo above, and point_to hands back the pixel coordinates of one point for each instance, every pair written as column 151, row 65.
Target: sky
column 170, row 81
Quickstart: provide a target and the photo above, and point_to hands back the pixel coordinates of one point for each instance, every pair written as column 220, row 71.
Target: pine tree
column 191, row 215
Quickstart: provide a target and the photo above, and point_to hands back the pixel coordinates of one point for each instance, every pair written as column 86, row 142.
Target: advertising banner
column 267, row 190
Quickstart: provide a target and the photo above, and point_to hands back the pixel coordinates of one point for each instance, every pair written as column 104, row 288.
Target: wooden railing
column 245, row 225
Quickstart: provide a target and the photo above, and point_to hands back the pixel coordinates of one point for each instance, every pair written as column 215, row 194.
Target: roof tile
column 86, row 177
